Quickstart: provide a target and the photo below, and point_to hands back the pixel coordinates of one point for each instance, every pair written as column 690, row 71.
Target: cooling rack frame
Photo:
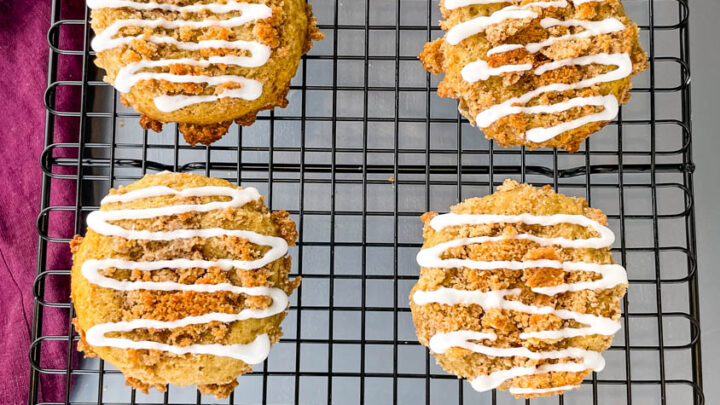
column 91, row 166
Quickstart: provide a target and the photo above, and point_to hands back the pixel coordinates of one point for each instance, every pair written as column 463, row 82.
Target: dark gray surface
column 705, row 59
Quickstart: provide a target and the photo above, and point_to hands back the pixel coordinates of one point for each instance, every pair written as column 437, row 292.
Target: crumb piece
column 144, row 387
column 205, row 134
column 314, row 33
column 130, row 56
column 144, row 48
column 287, row 229
column 82, row 345
column 227, row 86
column 75, row 243
column 149, row 123
column 246, row 120
column 432, row 57
column 215, row 32
column 267, row 30
column 174, row 88
column 219, row 390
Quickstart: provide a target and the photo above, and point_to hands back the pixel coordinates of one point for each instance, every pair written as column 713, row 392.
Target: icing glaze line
column 599, row 325
column 605, row 239
column 215, row 8
column 105, row 40
column 130, row 74
column 466, row 29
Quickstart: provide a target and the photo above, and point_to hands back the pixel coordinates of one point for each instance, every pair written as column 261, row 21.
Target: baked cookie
column 182, row 279
column 518, row 290
column 538, row 73
column 201, row 64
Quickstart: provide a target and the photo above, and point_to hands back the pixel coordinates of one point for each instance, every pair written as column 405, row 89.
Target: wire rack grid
column 363, row 149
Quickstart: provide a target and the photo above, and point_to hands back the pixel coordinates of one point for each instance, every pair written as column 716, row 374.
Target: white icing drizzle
column 609, row 103
column 252, row 87
column 91, row 271
column 251, row 90
column 504, row 48
column 592, row 28
column 216, row 8
column 453, row 4
column 130, row 74
column 496, row 299
column 105, row 40
column 251, row 353
column 478, row 24
column 469, row 28
column 493, row 380
column 239, row 197
column 605, row 239
column 479, row 70
column 624, row 68
column 611, row 275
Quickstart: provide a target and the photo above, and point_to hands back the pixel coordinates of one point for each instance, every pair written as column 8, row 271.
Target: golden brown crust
column 219, row 390
column 268, row 30
column 150, row 124
column 204, row 134
column 289, row 32
column 313, row 32
column 286, row 226
column 513, row 198
column 75, row 243
column 432, row 56
column 441, row 57
column 143, row 387
column 246, row 120
column 94, row 305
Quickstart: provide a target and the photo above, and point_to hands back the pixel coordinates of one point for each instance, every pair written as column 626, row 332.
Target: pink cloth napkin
column 23, row 79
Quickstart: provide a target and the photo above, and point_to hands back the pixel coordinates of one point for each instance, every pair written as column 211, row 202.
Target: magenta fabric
column 23, row 79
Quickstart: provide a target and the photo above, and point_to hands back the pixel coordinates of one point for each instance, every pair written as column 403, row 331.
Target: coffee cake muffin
column 201, row 64
column 182, row 279
column 538, row 73
column 518, row 290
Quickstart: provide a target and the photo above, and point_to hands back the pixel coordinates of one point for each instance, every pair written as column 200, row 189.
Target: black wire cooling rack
column 363, row 149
